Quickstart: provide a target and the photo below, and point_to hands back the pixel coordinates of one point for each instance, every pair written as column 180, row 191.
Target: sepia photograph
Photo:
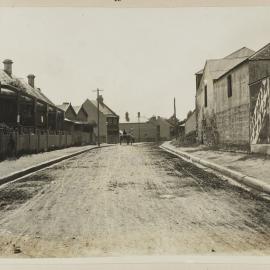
column 134, row 131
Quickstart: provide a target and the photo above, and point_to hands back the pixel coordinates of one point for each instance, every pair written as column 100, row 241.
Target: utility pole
column 139, row 116
column 175, row 120
column 98, row 139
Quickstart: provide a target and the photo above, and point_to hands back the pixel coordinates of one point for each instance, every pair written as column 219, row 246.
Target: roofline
column 200, row 71
column 133, row 123
column 110, row 110
column 80, row 107
column 18, row 90
column 116, row 115
column 259, row 51
column 244, row 47
column 70, row 105
column 202, row 75
column 247, row 59
column 228, row 71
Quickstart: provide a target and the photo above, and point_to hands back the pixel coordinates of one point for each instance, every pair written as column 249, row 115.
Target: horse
column 128, row 138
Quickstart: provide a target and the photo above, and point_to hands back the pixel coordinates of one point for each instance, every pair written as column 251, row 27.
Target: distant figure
column 121, row 138
column 128, row 139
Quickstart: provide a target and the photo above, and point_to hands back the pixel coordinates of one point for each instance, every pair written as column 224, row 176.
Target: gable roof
column 199, row 72
column 262, row 54
column 243, row 52
column 64, row 106
column 103, row 108
column 219, row 67
column 78, row 108
column 24, row 87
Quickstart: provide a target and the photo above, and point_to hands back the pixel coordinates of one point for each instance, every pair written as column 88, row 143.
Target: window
column 205, row 96
column 229, row 85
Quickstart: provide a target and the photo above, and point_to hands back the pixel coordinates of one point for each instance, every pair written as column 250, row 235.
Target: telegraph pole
column 175, row 120
column 139, row 116
column 98, row 139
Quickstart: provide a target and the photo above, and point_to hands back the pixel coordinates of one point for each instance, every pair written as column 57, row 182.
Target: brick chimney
column 8, row 66
column 100, row 99
column 31, row 80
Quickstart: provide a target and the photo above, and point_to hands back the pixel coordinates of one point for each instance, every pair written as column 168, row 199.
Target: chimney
column 100, row 98
column 31, row 80
column 8, row 66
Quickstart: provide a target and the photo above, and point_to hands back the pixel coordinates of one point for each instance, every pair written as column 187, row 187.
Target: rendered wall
column 232, row 113
column 190, row 124
column 143, row 132
column 92, row 116
column 204, row 114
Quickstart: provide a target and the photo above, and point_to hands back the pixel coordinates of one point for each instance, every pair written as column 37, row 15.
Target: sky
column 141, row 58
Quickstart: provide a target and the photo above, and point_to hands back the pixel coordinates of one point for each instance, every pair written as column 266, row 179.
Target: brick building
column 228, row 92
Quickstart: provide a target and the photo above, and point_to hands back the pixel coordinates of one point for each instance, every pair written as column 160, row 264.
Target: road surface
column 130, row 200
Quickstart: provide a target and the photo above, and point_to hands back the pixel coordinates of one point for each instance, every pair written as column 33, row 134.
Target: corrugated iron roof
column 104, row 109
column 219, row 67
column 77, row 109
column 243, row 52
column 263, row 53
column 22, row 85
column 64, row 106
column 199, row 72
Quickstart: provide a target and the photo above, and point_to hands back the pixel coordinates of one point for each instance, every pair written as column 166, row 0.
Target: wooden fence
column 13, row 143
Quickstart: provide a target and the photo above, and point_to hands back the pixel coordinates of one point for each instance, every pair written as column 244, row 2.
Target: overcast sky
column 142, row 58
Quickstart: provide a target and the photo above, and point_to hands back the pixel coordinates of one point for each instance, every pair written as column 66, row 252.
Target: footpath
column 14, row 168
column 248, row 169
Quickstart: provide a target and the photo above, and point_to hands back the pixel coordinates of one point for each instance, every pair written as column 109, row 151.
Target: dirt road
column 130, row 200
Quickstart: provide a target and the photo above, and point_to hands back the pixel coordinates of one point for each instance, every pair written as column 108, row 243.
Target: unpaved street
column 130, row 200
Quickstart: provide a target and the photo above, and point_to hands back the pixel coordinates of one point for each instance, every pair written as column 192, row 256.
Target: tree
column 127, row 116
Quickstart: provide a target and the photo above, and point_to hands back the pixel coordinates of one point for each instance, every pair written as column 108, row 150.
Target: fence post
column 17, row 142
column 29, row 142
column 47, row 140
column 38, row 140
